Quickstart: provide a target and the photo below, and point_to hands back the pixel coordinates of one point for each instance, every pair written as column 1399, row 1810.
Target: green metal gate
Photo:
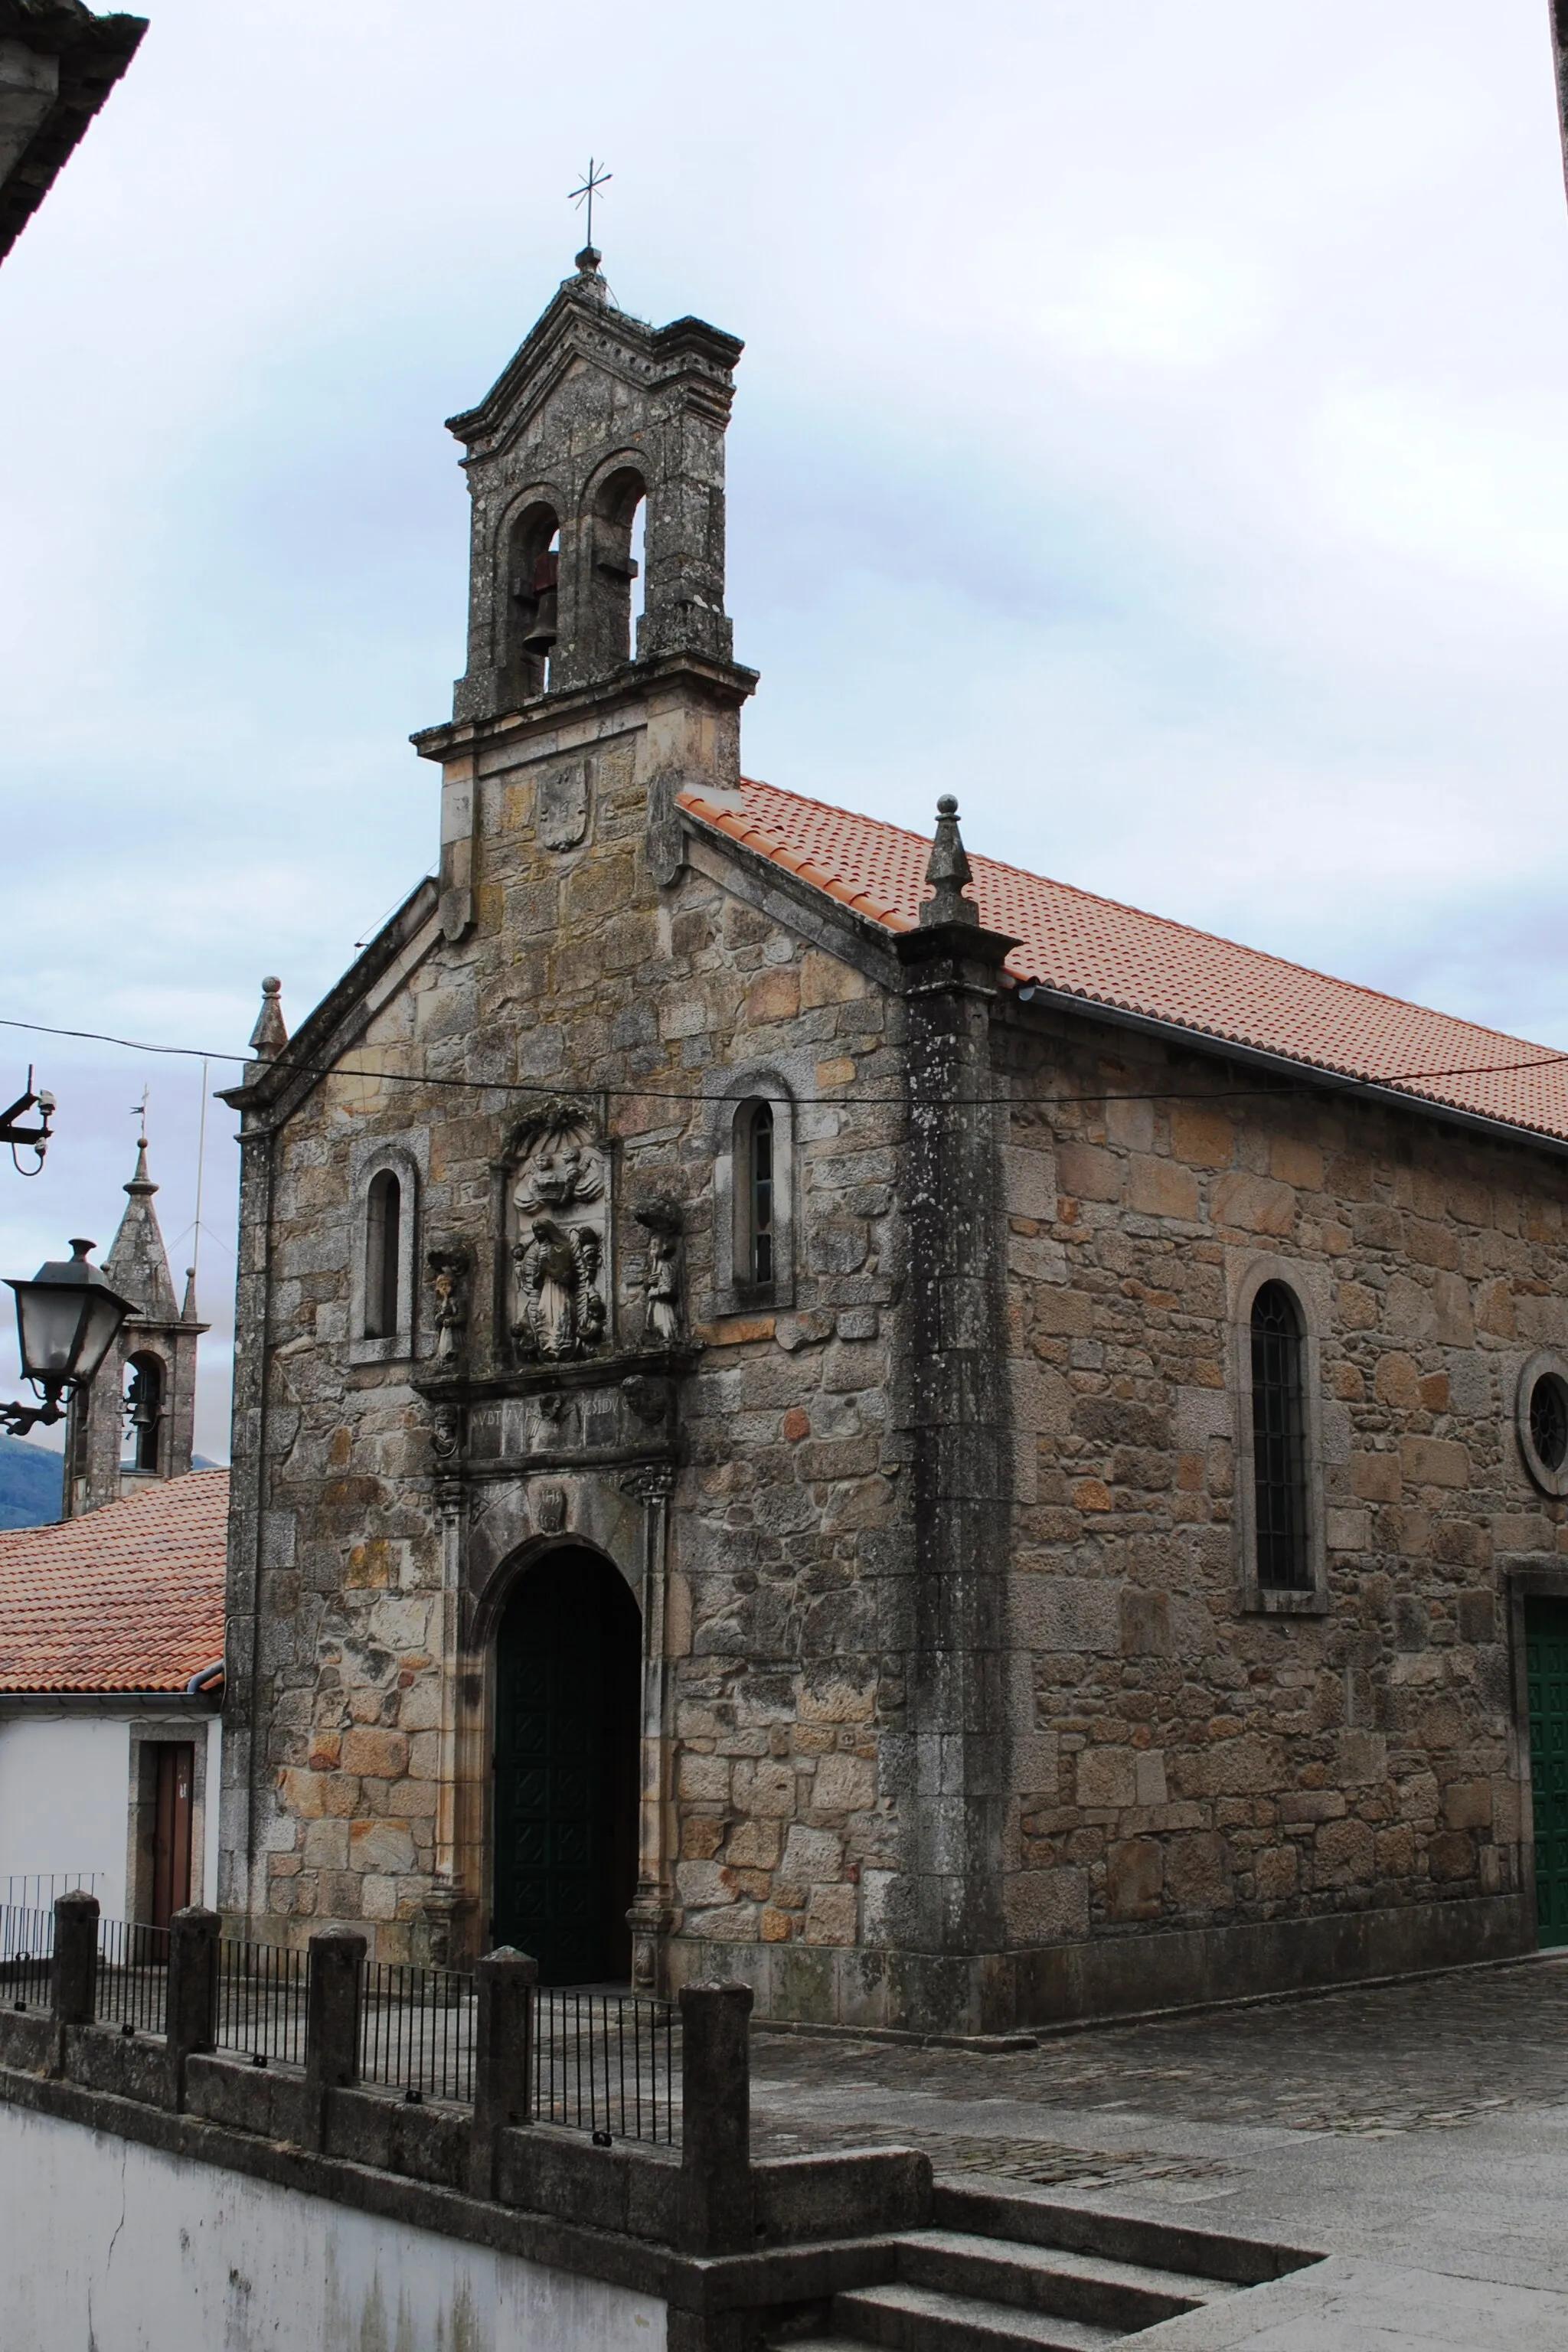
column 567, row 1677
column 1546, row 1665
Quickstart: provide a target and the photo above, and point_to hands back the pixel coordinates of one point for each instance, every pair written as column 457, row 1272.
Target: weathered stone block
column 1343, row 1854
column 1134, row 1874
column 1107, row 1777
column 766, row 1789
column 1046, row 1906
column 1434, row 1462
column 1256, row 1205
column 844, row 1784
column 380, row 1755
column 384, row 1846
column 830, row 1916
column 1198, row 1872
column 1163, row 1188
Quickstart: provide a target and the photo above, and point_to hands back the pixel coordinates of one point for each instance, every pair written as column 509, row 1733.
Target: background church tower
column 137, row 1420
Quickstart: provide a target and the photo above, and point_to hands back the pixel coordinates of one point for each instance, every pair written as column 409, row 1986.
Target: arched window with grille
column 1278, row 1442
column 760, row 1236
column 384, row 1257
column 752, row 1136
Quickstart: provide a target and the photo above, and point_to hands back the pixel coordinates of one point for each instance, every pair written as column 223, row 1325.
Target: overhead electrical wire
column 550, row 1089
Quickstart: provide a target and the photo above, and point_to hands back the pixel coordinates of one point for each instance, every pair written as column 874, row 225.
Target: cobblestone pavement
column 1416, row 2134
column 1425, row 2056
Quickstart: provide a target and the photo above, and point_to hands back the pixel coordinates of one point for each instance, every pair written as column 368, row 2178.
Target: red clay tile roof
column 1114, row 955
column 127, row 1597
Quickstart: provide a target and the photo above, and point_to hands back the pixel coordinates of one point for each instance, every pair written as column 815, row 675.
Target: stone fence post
column 333, row 2006
column 504, row 1986
column 73, row 1976
column 716, row 2118
column 191, row 2013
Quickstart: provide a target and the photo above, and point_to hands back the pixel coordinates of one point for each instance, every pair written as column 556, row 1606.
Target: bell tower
column 136, row 1422
column 596, row 415
column 599, row 418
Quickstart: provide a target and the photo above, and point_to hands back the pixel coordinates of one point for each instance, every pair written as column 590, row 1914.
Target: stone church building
column 814, row 1410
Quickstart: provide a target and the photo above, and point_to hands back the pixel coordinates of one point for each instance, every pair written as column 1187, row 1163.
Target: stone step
column 1040, row 2219
column 922, row 2319
column 1116, row 2295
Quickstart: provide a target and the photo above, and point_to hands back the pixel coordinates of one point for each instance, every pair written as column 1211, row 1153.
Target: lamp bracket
column 20, row 1418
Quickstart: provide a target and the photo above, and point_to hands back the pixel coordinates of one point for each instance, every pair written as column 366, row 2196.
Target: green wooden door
column 1546, row 1663
column 566, row 1746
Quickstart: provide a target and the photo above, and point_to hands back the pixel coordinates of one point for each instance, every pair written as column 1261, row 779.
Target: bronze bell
column 539, row 632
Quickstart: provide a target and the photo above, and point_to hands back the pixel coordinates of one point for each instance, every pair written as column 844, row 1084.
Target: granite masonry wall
column 580, row 977
column 1189, row 1761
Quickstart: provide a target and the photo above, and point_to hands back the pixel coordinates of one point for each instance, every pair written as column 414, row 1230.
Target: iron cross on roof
column 593, row 178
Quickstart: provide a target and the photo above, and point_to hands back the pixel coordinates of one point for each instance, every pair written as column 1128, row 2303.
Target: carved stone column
column 652, row 1913
column 956, row 1798
column 453, row 1898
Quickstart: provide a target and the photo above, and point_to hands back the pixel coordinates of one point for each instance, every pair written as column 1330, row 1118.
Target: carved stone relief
column 559, row 1211
column 663, row 1313
column 561, row 817
column 449, row 1265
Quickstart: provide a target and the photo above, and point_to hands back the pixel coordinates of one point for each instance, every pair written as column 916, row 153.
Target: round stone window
column 1542, row 1418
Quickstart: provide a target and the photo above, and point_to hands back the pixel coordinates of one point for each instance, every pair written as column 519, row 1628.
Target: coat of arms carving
column 558, row 1209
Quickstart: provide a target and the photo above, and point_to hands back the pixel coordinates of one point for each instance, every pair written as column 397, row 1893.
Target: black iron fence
column 132, row 1980
column 26, row 1948
column 416, row 2032
column 261, row 2001
column 603, row 2062
column 607, row 2062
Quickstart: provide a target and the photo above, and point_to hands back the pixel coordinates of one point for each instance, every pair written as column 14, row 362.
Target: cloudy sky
column 1152, row 428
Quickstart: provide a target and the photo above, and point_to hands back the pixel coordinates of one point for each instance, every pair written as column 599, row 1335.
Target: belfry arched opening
column 566, row 1748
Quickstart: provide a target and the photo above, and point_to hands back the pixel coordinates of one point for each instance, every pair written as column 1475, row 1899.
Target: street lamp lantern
column 67, row 1318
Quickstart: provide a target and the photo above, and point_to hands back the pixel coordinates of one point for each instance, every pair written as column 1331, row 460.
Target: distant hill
column 29, row 1485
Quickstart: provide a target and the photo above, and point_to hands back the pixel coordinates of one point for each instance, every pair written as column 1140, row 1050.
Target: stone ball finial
column 269, row 1035
column 948, row 874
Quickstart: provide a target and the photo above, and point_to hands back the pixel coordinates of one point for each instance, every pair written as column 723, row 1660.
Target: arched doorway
column 568, row 1685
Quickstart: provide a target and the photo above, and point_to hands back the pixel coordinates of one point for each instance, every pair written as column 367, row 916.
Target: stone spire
column 138, row 1264
column 948, row 872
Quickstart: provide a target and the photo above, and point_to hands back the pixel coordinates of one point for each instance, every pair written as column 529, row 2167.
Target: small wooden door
column 1546, row 1669
column 567, row 1704
column 172, row 1830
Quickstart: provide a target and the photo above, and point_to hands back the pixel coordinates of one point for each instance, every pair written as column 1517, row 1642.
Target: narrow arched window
column 533, row 574
column 143, row 1411
column 759, row 1195
column 1278, row 1449
column 383, row 1255
column 607, row 624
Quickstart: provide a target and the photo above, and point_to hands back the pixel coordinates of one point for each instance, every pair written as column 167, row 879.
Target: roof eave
column 92, row 53
column 111, row 1702
column 1177, row 1032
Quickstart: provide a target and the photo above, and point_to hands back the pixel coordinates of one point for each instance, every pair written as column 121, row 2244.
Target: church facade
column 810, row 1411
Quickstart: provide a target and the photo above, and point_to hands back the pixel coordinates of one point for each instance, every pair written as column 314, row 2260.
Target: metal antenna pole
column 201, row 1167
